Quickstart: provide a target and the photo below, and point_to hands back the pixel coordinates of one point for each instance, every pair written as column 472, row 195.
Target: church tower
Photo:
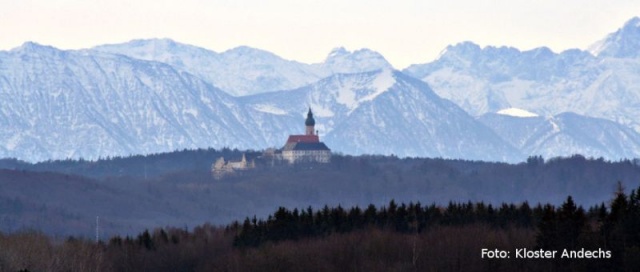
column 310, row 123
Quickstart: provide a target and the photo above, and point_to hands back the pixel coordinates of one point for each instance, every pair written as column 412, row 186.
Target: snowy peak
column 245, row 70
column 515, row 112
column 337, row 52
column 164, row 44
column 239, row 71
column 163, row 50
column 475, row 55
column 489, row 79
column 470, row 53
column 624, row 43
column 246, row 52
column 335, row 96
column 463, row 49
column 354, row 90
column 540, row 53
column 340, row 60
column 35, row 48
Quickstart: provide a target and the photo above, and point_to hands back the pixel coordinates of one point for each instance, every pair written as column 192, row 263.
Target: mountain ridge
column 566, row 133
column 107, row 104
column 245, row 70
column 624, row 43
column 483, row 80
column 146, row 96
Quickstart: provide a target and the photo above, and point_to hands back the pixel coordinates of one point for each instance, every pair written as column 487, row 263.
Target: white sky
column 404, row 31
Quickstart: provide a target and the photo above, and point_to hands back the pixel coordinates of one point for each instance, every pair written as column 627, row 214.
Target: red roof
column 303, row 139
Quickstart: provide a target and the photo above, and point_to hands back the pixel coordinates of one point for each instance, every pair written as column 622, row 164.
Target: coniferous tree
column 613, row 227
column 547, row 236
column 571, row 222
column 145, row 240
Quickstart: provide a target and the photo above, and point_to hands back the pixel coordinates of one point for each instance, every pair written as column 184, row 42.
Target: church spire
column 310, row 123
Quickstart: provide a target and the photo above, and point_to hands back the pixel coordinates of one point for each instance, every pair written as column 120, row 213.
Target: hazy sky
column 404, row 31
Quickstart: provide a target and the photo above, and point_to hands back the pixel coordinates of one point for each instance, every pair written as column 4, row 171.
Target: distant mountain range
column 565, row 133
column 244, row 70
column 603, row 82
column 58, row 104
column 149, row 96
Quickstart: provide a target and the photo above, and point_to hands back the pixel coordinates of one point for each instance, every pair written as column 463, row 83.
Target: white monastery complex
column 298, row 148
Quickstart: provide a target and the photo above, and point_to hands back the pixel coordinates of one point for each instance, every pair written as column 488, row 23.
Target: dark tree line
column 296, row 224
column 404, row 237
column 615, row 229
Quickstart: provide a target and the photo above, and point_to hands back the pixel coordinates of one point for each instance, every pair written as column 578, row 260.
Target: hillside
column 178, row 188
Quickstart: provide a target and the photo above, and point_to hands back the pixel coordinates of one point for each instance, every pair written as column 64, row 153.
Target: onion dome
column 310, row 121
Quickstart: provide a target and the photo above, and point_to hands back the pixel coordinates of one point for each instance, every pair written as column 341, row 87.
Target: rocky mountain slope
column 483, row 80
column 564, row 134
column 67, row 104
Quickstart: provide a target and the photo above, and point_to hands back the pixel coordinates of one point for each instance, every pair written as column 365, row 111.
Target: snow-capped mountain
column 87, row 104
column 239, row 71
column 244, row 70
column 624, row 43
column 483, row 80
column 488, row 79
column 76, row 104
column 387, row 112
column 150, row 96
column 564, row 134
column 342, row 61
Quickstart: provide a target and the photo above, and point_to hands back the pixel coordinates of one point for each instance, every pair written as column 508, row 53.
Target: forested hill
column 134, row 166
column 399, row 236
column 133, row 193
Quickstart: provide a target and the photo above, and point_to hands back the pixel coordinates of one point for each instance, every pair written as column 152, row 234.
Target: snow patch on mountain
column 597, row 47
column 269, row 108
column 354, row 91
column 515, row 112
column 554, row 125
column 190, row 111
column 12, row 143
column 381, row 83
